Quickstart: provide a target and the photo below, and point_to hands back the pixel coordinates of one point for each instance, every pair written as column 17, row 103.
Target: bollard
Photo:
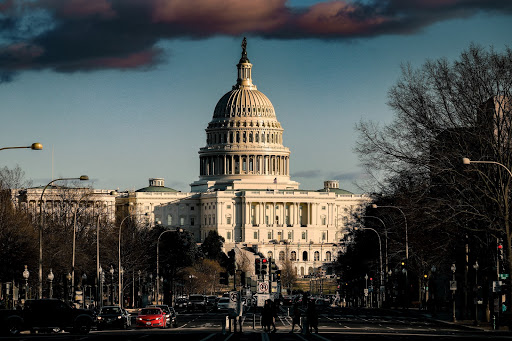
column 223, row 328
column 253, row 321
column 288, row 313
column 228, row 323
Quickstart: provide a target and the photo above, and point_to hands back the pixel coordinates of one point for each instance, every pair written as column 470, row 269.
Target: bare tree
column 445, row 111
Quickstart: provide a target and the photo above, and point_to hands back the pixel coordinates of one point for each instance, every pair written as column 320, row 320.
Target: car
column 170, row 314
column 151, row 317
column 196, row 302
column 112, row 317
column 181, row 302
column 223, row 303
column 211, row 300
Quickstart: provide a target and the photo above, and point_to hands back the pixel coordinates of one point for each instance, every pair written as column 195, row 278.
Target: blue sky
column 135, row 106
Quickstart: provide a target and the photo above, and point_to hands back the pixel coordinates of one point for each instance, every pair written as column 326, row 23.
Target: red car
column 151, row 317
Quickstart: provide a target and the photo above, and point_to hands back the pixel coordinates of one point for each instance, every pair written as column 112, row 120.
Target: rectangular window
column 324, row 221
column 304, row 235
column 213, row 219
column 290, row 235
column 266, row 219
column 228, row 206
column 191, row 221
column 228, row 235
column 182, row 221
column 256, row 235
column 269, row 235
column 228, row 220
column 191, row 208
column 324, row 236
column 323, row 207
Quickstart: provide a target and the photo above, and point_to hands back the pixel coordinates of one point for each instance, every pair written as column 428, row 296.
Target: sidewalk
column 447, row 317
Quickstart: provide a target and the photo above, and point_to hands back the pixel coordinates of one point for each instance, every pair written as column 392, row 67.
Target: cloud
column 308, row 174
column 87, row 35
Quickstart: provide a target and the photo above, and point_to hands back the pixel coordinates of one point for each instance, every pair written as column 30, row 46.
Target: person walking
column 274, row 316
column 266, row 316
column 296, row 318
column 312, row 317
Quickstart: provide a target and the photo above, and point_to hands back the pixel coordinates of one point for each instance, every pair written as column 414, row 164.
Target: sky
column 122, row 90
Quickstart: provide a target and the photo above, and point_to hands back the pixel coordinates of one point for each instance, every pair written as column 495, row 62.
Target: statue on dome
column 244, row 48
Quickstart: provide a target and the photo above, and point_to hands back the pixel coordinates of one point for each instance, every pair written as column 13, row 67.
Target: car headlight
column 139, row 318
column 119, row 317
column 99, row 317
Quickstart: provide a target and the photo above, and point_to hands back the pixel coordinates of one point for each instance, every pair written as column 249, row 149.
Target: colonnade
column 245, row 164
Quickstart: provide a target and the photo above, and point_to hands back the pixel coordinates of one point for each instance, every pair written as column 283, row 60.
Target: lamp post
column 380, row 257
column 366, row 291
column 84, row 279
column 51, row 276
column 119, row 263
column 157, row 262
column 26, row 274
column 74, row 243
column 41, row 225
column 476, row 266
column 33, row 146
column 68, row 277
column 112, row 283
column 406, row 249
column 453, row 288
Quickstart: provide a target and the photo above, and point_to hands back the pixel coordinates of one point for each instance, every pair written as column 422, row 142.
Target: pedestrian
column 266, row 316
column 274, row 308
column 296, row 317
column 312, row 316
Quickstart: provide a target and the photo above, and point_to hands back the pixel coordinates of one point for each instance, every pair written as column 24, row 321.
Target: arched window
column 305, row 255
column 281, row 255
column 293, row 256
column 302, row 271
column 328, row 256
column 317, row 256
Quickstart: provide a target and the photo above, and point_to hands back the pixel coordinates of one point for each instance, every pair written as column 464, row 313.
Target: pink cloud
column 20, row 55
column 337, row 18
column 131, row 61
column 225, row 17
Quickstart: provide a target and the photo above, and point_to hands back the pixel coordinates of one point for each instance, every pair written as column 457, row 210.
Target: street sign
column 453, row 285
column 504, row 276
column 366, row 292
column 233, row 299
column 261, row 298
column 263, row 287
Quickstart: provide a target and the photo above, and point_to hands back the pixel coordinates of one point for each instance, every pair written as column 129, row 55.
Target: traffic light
column 278, row 275
column 257, row 267
column 273, row 267
column 224, row 278
column 500, row 248
column 264, row 266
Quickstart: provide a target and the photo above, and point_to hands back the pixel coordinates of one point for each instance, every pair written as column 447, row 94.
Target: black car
column 112, row 317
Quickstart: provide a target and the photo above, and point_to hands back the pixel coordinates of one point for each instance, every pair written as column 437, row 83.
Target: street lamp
column 112, row 283
column 74, row 243
column 26, row 274
column 50, row 278
column 467, row 161
column 157, row 262
column 476, row 266
column 84, row 279
column 81, row 178
column 119, row 263
column 68, row 277
column 380, row 254
column 453, row 288
column 33, row 146
column 406, row 247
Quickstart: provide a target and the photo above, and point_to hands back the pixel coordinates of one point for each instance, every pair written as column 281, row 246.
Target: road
column 334, row 324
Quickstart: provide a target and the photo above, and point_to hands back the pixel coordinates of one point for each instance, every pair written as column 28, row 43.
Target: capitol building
column 244, row 190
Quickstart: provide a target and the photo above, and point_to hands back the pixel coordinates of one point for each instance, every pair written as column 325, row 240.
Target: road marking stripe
column 209, row 337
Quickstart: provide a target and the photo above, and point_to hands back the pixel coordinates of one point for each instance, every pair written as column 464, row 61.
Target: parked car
column 196, row 302
column 112, row 317
column 151, row 317
column 170, row 314
column 45, row 315
column 223, row 303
